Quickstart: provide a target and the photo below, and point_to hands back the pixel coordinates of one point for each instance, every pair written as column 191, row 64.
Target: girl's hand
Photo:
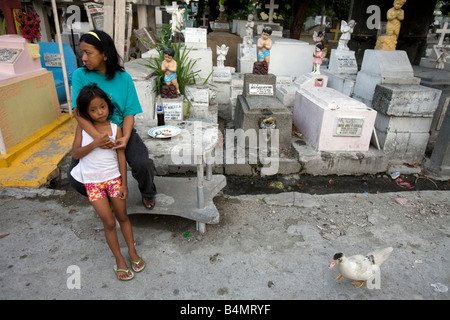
column 120, row 143
column 123, row 192
column 103, row 141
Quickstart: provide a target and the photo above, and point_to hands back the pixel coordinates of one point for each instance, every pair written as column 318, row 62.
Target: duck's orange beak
column 332, row 264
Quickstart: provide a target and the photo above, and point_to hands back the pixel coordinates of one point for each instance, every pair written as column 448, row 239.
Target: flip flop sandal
column 147, row 202
column 128, row 271
column 137, row 269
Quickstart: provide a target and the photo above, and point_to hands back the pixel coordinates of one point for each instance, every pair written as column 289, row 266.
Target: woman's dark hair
column 85, row 97
column 105, row 44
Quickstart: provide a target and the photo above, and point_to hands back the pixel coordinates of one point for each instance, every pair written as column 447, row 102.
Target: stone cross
column 444, row 31
column 336, row 32
column 271, row 7
column 204, row 20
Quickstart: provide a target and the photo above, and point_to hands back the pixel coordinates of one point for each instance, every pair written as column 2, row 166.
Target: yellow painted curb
column 7, row 159
column 37, row 162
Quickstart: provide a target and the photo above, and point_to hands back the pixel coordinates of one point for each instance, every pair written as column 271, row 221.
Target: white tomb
column 290, row 57
column 195, row 40
column 332, row 121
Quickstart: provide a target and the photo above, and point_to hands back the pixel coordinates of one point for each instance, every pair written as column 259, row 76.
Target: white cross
column 271, row 6
column 172, row 9
column 443, row 32
column 204, row 20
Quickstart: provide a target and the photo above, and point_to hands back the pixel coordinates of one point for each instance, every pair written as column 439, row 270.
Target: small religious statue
column 249, row 26
column 169, row 67
column 347, row 30
column 247, row 42
column 221, row 54
column 264, row 45
column 177, row 24
column 317, row 61
column 440, row 62
column 394, row 16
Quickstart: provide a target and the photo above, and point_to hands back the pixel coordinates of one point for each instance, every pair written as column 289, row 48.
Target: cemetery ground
column 274, row 241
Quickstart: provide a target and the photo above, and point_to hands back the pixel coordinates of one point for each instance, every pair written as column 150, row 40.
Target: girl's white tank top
column 99, row 165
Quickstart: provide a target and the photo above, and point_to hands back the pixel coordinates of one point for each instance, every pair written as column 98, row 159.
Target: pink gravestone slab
column 16, row 59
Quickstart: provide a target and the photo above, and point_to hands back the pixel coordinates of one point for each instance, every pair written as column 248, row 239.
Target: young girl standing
column 103, row 172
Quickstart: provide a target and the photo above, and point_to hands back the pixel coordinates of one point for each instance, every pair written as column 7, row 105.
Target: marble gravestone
column 342, row 71
column 258, row 102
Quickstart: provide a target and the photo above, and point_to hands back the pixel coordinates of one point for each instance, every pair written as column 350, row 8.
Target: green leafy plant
column 186, row 73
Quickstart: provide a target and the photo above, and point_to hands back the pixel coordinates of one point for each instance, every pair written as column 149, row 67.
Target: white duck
column 358, row 267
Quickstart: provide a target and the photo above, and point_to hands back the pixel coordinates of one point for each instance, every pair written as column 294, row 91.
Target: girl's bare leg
column 120, row 211
column 103, row 210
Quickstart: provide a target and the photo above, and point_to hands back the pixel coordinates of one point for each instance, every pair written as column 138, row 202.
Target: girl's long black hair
column 105, row 45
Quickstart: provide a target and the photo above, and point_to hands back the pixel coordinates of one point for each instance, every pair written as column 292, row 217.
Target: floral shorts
column 96, row 191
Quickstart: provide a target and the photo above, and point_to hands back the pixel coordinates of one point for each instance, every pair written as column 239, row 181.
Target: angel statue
column 221, row 53
column 440, row 62
column 347, row 30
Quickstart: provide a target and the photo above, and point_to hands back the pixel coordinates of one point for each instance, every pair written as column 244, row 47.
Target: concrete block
column 406, row 100
column 402, row 124
column 250, row 111
column 259, row 85
column 402, row 147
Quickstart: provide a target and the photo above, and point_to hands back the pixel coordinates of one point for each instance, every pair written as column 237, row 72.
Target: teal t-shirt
column 120, row 90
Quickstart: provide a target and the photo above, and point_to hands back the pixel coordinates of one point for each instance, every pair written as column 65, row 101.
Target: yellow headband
column 94, row 34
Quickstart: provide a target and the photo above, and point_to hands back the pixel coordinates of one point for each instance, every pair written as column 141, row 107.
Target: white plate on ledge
column 164, row 132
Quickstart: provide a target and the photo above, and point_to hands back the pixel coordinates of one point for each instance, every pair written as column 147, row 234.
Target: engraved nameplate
column 349, row 127
column 260, row 89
